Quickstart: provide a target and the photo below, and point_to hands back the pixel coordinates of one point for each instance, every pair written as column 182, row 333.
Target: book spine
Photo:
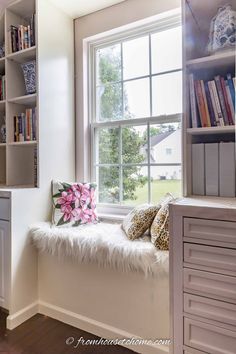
column 221, row 99
column 213, row 103
column 227, row 106
column 205, row 103
column 210, row 106
column 22, row 36
column 193, row 102
column 29, row 36
column 230, row 101
column 231, row 88
column 200, row 103
column 20, row 128
column 15, row 123
column 28, row 124
column 218, row 107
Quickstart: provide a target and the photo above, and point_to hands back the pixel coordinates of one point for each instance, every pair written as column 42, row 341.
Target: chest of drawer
column 210, row 230
column 219, row 259
column 188, row 350
column 4, row 209
column 209, row 284
column 211, row 309
column 208, row 337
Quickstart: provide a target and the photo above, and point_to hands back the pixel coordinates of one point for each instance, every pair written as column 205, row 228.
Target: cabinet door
column 4, row 262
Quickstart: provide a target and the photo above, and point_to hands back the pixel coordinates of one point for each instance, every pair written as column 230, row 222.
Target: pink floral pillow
column 73, row 203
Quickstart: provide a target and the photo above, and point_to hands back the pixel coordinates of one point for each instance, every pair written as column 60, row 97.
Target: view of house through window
column 136, row 118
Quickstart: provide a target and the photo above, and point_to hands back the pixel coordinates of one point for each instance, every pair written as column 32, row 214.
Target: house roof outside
column 156, row 139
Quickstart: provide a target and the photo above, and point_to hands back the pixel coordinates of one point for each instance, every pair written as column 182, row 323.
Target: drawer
column 192, row 351
column 211, row 309
column 210, row 284
column 212, row 230
column 214, row 257
column 4, row 209
column 209, row 338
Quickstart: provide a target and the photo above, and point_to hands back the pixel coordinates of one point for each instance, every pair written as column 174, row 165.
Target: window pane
column 133, row 144
column 160, row 184
column 108, row 146
column 167, row 50
column 109, row 102
column 137, row 98
column 108, row 64
column 167, row 94
column 136, row 58
column 108, row 185
column 165, row 145
column 135, row 185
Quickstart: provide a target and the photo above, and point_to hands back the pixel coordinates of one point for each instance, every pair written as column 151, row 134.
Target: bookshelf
column 18, row 160
column 196, row 61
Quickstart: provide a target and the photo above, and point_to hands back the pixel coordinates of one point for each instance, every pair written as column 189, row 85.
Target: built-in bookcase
column 18, row 160
column 197, row 16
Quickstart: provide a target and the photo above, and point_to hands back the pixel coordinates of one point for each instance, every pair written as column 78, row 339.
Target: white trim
column 98, row 328
column 21, row 316
column 131, row 29
column 146, row 26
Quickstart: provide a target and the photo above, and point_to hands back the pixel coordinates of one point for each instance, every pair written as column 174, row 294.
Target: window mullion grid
column 120, row 167
column 148, row 125
column 149, row 166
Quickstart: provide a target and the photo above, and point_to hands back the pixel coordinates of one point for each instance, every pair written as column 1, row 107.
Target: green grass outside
column 158, row 190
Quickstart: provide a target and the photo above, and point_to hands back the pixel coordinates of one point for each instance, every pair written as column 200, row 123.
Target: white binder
column 212, row 169
column 227, row 169
column 198, row 169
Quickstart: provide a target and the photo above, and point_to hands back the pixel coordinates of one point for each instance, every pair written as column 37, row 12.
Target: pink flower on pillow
column 76, row 203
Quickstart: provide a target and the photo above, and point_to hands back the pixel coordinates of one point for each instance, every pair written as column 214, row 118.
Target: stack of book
column 213, row 169
column 212, row 102
column 22, row 37
column 25, row 126
column 2, row 88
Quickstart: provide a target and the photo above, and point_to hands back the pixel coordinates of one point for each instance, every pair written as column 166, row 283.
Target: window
column 136, row 106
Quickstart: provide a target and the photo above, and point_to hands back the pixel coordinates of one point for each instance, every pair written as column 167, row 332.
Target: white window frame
column 172, row 19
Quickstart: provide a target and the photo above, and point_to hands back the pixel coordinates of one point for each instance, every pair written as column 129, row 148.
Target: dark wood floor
column 43, row 335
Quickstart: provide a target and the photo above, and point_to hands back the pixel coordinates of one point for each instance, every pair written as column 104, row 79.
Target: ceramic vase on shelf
column 222, row 30
column 29, row 72
column 3, row 132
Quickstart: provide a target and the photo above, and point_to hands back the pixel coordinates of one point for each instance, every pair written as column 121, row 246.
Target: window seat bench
column 104, row 244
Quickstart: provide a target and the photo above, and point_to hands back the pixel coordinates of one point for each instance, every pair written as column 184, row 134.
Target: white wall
column 56, row 148
column 115, row 16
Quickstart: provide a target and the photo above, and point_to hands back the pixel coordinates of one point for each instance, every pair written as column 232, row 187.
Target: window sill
column 111, row 217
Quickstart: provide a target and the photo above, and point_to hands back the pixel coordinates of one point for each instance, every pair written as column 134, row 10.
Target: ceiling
column 75, row 8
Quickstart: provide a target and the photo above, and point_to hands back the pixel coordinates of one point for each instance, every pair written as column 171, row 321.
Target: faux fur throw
column 104, row 244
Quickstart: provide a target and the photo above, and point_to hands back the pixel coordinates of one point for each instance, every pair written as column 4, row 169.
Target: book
column 231, row 88
column 193, row 103
column 227, row 106
column 217, row 103
column 212, row 169
column 201, row 104
column 198, row 169
column 205, row 103
column 210, row 106
column 221, row 99
column 227, row 169
column 25, row 126
column 230, row 101
column 23, row 36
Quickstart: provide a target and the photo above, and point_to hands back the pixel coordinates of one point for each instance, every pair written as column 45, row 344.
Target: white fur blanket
column 104, row 244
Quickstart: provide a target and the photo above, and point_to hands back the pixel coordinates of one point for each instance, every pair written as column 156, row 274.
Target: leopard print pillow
column 139, row 220
column 160, row 226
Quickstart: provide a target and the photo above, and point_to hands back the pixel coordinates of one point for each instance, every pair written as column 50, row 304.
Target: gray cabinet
column 5, row 252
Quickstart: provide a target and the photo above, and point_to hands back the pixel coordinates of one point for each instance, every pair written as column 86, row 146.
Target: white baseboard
column 98, row 328
column 21, row 316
